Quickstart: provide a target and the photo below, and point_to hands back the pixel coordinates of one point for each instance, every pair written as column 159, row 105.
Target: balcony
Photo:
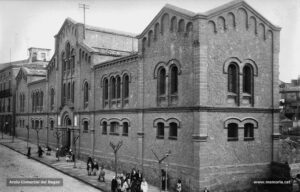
column 5, row 93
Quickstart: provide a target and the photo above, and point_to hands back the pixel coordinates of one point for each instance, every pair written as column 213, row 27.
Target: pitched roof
column 34, row 72
column 208, row 14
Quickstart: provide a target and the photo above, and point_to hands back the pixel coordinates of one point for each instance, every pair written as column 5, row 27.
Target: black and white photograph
column 149, row 96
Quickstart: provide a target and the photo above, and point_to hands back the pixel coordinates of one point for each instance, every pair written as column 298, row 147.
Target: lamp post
column 159, row 161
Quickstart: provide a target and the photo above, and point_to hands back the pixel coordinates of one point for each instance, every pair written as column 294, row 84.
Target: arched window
column 233, row 78
column 114, row 126
column 173, row 27
column 105, row 91
column 189, row 27
column 104, row 128
column 85, row 126
column 150, row 37
column 113, row 88
column 37, row 101
column 162, row 82
column 125, row 129
column 63, row 62
column 174, row 80
column 86, row 94
column 173, row 130
column 125, row 86
column 232, row 132
column 144, row 44
column 248, row 131
column 69, row 91
column 51, row 125
column 118, row 87
column 64, row 93
column 20, row 102
column 156, row 31
column 73, row 92
column 164, row 23
column 247, row 79
column 181, row 25
column 160, row 131
column 41, row 100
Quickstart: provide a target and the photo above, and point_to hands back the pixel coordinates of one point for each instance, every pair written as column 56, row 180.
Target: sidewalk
column 79, row 173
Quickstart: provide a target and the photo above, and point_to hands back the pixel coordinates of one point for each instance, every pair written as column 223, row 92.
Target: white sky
column 34, row 23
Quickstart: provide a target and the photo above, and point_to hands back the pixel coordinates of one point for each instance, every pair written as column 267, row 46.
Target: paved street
column 15, row 165
column 59, row 167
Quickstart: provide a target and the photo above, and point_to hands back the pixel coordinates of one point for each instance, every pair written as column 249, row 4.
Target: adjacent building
column 202, row 87
column 38, row 58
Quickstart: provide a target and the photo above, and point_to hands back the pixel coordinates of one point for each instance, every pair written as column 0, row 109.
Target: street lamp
column 159, row 161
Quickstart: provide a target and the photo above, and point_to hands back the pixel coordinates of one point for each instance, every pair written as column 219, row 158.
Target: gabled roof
column 208, row 14
column 237, row 3
column 93, row 28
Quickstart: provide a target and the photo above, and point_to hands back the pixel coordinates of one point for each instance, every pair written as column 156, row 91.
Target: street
column 15, row 165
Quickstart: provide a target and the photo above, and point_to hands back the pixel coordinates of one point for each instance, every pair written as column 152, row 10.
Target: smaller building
column 290, row 100
column 38, row 60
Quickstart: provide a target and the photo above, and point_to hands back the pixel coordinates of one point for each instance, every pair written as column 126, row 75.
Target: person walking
column 144, row 185
column 95, row 167
column 114, row 185
column 40, row 151
column 178, row 186
column 29, row 152
column 57, row 154
column 89, row 165
column 102, row 175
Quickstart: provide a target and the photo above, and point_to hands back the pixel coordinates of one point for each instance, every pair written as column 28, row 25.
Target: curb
column 77, row 178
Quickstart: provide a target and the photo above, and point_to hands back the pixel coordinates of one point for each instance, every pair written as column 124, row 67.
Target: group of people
column 92, row 167
column 129, row 182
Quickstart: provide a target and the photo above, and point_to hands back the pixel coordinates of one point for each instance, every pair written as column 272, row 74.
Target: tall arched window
column 162, row 82
column 125, row 129
column 118, row 87
column 113, row 88
column 174, row 80
column 105, row 92
column 181, row 25
column 247, row 79
column 52, row 99
column 173, row 27
column 104, row 128
column 173, row 129
column 20, row 102
column 69, row 91
column 86, row 94
column 160, row 131
column 233, row 78
column 37, row 101
column 156, row 31
column 41, row 100
column 232, row 132
column 64, row 93
column 125, row 86
column 73, row 92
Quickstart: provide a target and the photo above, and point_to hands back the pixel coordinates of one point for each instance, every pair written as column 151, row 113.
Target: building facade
column 37, row 59
column 200, row 87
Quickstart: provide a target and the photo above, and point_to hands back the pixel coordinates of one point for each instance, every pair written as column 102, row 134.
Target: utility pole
column 84, row 7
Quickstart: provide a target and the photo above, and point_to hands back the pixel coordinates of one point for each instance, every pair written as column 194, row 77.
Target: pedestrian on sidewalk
column 40, row 151
column 95, row 167
column 178, row 186
column 29, row 152
column 114, row 185
column 102, row 175
column 144, row 186
column 57, row 154
column 89, row 166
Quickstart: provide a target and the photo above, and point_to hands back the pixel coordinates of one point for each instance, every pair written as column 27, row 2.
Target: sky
column 33, row 23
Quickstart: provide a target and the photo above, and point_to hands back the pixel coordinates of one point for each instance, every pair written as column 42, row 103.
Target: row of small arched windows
column 165, row 25
column 232, row 133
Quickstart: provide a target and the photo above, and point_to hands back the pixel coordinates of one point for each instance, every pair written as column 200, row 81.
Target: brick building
column 38, row 58
column 203, row 86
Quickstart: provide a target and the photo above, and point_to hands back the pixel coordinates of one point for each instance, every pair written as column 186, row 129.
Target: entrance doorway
column 67, row 123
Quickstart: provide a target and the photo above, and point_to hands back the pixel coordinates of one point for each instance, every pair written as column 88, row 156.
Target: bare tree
column 116, row 148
